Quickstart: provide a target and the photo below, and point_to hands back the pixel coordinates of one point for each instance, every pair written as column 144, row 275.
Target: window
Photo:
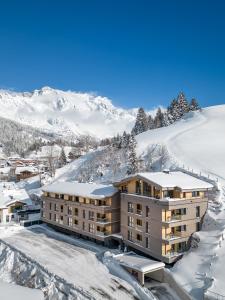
column 83, row 214
column 50, row 206
column 130, row 221
column 56, row 207
column 146, row 227
column 70, row 210
column 83, row 226
column 76, row 199
column 61, row 208
column 147, row 212
column 139, row 222
column 61, row 196
column 147, row 242
column 195, row 194
column 139, row 237
column 47, row 194
column 138, row 187
column 91, row 215
column 184, row 195
column 50, row 216
column 91, row 228
column 76, row 211
column 57, row 218
column 84, row 200
column 198, row 226
column 130, row 235
column 130, row 207
column 70, row 198
column 75, row 222
column 70, row 221
column 197, row 211
column 57, row 196
column 139, row 209
column 61, row 220
column 124, row 189
column 92, row 201
column 146, row 189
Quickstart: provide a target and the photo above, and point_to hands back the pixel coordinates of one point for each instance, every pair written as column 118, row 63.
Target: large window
column 61, row 208
column 130, row 221
column 195, row 194
column 139, row 237
column 138, row 187
column 130, row 207
column 130, row 235
column 76, row 211
column 91, row 215
column 146, row 189
column 70, row 221
column 139, row 209
column 139, row 222
column 147, row 242
column 91, row 228
column 70, row 210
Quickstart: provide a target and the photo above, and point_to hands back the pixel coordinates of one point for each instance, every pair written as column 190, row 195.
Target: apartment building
column 160, row 211
column 90, row 210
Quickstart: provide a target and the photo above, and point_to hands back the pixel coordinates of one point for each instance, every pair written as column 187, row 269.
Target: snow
column 10, row 193
column 15, row 292
column 66, row 112
column 138, row 263
column 197, row 143
column 74, row 260
column 26, row 169
column 88, row 190
column 174, row 179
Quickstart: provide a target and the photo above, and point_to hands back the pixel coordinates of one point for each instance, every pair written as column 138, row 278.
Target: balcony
column 173, row 218
column 139, row 212
column 103, row 220
column 102, row 233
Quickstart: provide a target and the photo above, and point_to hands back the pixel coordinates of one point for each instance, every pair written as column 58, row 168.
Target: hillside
column 66, row 112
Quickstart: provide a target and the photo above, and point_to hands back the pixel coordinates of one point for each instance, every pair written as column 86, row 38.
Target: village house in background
column 155, row 213
column 16, row 206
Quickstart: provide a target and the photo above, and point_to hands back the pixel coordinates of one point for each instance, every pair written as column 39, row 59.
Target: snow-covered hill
column 197, row 142
column 66, row 112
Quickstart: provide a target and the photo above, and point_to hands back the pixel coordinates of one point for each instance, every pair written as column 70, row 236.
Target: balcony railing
column 176, row 235
column 170, row 254
column 102, row 233
column 103, row 220
column 174, row 218
column 139, row 212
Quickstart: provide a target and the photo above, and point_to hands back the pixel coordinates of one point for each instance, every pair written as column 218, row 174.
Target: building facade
column 160, row 211
column 155, row 213
column 89, row 210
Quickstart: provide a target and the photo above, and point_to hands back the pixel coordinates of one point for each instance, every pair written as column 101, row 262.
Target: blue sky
column 138, row 53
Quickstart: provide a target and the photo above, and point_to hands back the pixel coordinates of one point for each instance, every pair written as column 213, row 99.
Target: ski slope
column 197, row 142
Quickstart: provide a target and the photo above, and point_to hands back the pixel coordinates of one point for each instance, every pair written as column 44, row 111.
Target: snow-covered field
column 74, row 264
column 15, row 292
column 197, row 142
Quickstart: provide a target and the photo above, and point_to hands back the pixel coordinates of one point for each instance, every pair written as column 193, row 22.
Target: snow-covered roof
column 10, row 193
column 88, row 190
column 4, row 170
column 172, row 180
column 25, row 169
column 138, row 263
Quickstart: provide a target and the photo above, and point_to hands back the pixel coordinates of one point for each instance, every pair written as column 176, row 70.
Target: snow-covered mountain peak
column 66, row 112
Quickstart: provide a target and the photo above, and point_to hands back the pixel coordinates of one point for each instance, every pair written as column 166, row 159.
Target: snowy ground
column 74, row 260
column 198, row 143
column 12, row 292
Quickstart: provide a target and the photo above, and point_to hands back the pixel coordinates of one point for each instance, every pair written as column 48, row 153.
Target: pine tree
column 151, row 124
column 141, row 123
column 182, row 104
column 62, row 157
column 159, row 118
column 125, row 139
column 132, row 156
column 194, row 105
